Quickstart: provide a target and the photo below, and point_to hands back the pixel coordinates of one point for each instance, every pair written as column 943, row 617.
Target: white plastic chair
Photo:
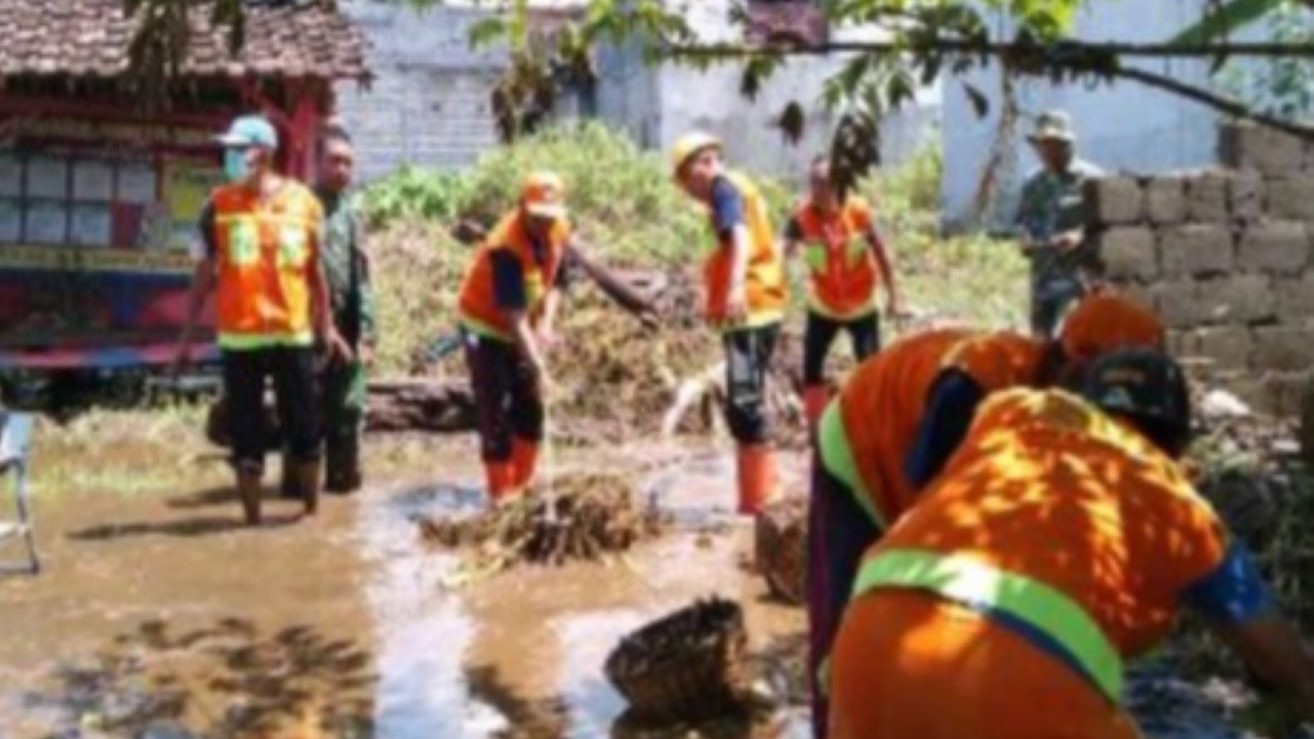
column 15, row 442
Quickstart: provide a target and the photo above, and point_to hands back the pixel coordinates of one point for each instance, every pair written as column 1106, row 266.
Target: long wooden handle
column 615, row 288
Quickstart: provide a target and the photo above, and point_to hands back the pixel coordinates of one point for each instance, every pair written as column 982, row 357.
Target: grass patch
column 124, row 452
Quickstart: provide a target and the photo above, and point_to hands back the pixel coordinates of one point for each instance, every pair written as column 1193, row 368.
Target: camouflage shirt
column 346, row 268
column 1052, row 204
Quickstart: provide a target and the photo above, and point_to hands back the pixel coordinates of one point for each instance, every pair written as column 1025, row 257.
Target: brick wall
column 1224, row 255
column 429, row 102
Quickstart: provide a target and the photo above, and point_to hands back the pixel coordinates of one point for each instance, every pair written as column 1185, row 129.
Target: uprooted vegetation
column 585, row 517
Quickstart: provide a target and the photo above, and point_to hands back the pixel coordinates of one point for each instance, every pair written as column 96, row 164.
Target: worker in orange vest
column 261, row 235
column 507, row 308
column 903, row 410
column 744, row 279
column 1060, row 542
column 846, row 260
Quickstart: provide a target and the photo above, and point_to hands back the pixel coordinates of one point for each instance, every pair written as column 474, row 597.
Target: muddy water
column 521, row 654
column 167, row 609
column 163, row 611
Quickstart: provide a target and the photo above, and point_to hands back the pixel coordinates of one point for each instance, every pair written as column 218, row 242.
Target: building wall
column 657, row 105
column 1122, row 127
column 1226, row 258
column 627, row 94
column 429, row 102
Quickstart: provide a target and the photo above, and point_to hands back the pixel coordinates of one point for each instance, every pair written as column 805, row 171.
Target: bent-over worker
column 1061, row 541
column 904, row 411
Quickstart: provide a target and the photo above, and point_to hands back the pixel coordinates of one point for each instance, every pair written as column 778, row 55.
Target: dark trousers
column 1050, row 302
column 747, row 358
column 506, row 396
column 864, row 332
column 343, row 396
column 292, row 370
column 839, row 533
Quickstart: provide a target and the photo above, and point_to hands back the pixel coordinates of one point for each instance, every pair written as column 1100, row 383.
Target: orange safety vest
column 1062, row 517
column 999, row 360
column 477, row 307
column 869, row 429
column 267, row 255
column 764, row 286
column 841, row 262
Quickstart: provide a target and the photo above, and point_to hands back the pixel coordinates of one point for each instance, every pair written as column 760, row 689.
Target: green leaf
column 792, row 122
column 756, row 72
column 486, row 31
column 1225, row 20
column 980, row 103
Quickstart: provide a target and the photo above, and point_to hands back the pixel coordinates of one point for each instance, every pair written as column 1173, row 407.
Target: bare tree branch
column 1217, row 102
column 999, row 48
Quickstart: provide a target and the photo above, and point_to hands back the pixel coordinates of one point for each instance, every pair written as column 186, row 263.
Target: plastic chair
column 15, row 442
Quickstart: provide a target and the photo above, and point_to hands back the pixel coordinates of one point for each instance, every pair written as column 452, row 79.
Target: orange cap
column 543, row 194
column 1105, row 322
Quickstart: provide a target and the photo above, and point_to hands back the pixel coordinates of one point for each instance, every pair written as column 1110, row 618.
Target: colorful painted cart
column 99, row 193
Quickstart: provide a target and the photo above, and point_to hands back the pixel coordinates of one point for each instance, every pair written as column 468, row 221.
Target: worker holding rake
column 744, row 279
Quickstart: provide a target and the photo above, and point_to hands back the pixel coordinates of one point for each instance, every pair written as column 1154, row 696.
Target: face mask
column 235, row 166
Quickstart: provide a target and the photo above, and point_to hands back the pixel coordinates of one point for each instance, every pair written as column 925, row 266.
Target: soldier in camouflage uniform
column 1051, row 219
column 346, row 266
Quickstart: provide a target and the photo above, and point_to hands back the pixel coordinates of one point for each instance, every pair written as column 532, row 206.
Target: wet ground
column 161, row 612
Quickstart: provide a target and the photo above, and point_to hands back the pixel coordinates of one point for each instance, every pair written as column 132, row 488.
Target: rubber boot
column 815, row 398
column 342, row 467
column 757, row 477
column 289, row 486
column 497, row 476
column 308, row 480
column 524, row 463
column 248, row 489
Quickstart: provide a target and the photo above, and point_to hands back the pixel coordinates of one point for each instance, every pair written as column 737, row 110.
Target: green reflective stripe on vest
column 837, row 456
column 246, row 342
column 815, row 257
column 476, row 326
column 975, row 583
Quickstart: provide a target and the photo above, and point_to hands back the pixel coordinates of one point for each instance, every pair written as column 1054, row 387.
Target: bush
column 415, row 194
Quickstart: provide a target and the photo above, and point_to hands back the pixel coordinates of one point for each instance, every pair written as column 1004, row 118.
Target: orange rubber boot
column 815, row 398
column 498, row 476
column 757, row 477
column 524, row 463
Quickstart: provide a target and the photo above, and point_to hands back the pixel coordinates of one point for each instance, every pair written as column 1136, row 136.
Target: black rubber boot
column 342, row 467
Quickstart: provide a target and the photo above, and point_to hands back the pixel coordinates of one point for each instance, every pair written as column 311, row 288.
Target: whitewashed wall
column 1124, row 127
column 658, row 105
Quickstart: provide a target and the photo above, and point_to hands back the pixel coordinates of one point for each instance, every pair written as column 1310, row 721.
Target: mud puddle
column 521, row 654
column 164, row 613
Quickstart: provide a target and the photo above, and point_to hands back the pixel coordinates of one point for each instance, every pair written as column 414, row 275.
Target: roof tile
column 91, row 38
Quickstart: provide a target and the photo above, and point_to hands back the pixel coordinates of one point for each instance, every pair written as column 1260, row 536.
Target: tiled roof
column 90, row 38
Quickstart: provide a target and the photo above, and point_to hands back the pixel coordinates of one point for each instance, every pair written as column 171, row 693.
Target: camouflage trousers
column 342, row 392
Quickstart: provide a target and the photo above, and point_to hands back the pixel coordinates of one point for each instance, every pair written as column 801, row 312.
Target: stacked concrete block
column 1226, row 256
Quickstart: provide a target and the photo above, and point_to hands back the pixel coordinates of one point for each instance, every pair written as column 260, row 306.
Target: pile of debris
column 1250, row 467
column 586, row 517
column 691, row 665
column 637, row 380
